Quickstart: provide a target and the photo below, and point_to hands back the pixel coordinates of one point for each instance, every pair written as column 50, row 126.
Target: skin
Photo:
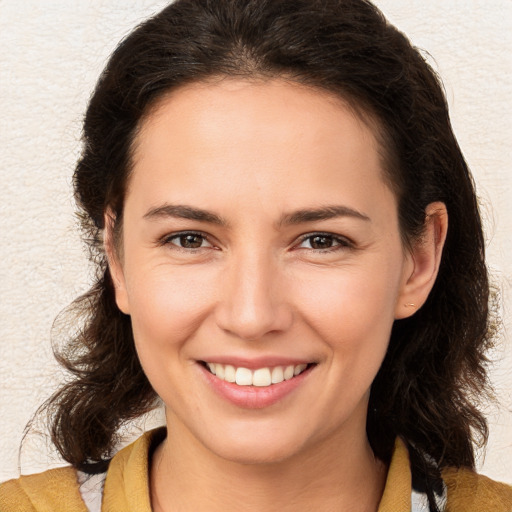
column 253, row 154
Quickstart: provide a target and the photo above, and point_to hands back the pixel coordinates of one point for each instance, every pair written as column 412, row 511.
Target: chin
column 256, row 444
column 251, row 453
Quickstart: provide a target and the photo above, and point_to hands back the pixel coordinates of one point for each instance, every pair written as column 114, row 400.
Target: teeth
column 229, row 373
column 262, row 377
column 299, row 369
column 243, row 377
column 289, row 372
column 219, row 371
column 277, row 375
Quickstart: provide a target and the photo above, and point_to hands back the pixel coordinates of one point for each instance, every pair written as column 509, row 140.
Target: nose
column 253, row 300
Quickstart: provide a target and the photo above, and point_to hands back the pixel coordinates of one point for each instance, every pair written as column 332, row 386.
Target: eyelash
column 341, row 242
column 169, row 239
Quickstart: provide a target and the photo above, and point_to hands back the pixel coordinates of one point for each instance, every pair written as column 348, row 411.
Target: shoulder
column 55, row 488
column 123, row 487
column 468, row 491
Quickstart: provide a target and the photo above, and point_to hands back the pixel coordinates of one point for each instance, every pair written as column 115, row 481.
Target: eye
column 188, row 240
column 323, row 242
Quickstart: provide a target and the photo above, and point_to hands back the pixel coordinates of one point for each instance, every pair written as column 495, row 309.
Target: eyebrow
column 184, row 212
column 293, row 218
column 323, row 213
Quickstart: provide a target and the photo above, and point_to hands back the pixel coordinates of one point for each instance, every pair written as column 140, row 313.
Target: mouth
column 258, row 377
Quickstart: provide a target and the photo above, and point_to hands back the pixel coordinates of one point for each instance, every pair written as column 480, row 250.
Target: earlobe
column 114, row 263
column 424, row 261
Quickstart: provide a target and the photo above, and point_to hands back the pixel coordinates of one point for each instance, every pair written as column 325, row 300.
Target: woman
column 290, row 257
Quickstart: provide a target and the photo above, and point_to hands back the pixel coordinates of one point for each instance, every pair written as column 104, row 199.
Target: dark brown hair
column 435, row 365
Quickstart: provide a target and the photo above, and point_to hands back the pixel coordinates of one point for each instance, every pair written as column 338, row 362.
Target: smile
column 260, row 377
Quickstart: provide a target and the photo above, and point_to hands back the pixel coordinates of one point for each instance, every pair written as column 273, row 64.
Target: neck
column 339, row 474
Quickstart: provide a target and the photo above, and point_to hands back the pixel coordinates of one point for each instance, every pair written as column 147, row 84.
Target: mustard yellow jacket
column 126, row 487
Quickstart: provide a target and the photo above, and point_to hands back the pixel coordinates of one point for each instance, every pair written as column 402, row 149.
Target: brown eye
column 321, row 242
column 191, row 241
column 324, row 241
column 188, row 241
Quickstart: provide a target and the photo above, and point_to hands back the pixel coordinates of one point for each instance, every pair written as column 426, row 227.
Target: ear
column 114, row 262
column 424, row 260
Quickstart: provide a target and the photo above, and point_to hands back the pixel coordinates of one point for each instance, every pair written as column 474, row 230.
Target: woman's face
column 260, row 239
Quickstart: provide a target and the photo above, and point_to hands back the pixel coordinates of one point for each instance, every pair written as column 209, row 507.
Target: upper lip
column 256, row 362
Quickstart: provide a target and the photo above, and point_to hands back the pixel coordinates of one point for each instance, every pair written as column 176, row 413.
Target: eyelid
column 168, row 238
column 343, row 241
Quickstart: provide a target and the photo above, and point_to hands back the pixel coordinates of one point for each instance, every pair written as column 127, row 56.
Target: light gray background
column 51, row 52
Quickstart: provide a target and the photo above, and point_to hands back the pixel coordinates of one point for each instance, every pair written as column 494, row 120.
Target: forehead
column 268, row 136
column 268, row 105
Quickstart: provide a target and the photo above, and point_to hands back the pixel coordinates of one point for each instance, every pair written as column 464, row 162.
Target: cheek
column 168, row 307
column 350, row 299
column 351, row 316
column 352, row 313
column 168, row 304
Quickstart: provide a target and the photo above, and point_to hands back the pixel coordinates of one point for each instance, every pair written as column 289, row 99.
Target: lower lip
column 254, row 397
